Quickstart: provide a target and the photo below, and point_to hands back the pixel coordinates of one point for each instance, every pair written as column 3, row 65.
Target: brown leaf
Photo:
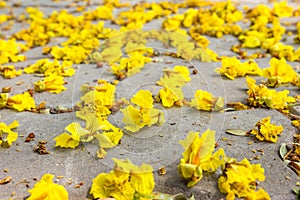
column 5, row 180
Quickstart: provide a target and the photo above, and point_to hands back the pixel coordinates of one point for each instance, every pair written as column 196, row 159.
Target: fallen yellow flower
column 52, row 84
column 9, row 71
column 125, row 181
column 136, row 118
column 206, row 101
column 232, row 68
column 10, row 50
column 266, row 130
column 131, row 65
column 239, row 179
column 173, row 80
column 46, row 189
column 66, row 140
column 7, row 136
column 279, row 72
column 198, row 156
column 261, row 96
column 21, row 102
column 47, row 67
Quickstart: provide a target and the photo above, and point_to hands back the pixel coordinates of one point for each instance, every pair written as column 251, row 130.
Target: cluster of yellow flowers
column 269, row 37
column 19, row 102
column 7, row 136
column 266, row 130
column 216, row 20
column 83, row 37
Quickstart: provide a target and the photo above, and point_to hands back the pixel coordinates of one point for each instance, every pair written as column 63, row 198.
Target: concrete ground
column 157, row 146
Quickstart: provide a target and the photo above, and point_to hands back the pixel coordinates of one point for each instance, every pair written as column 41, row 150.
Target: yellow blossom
column 10, row 50
column 46, row 189
column 7, row 136
column 198, row 156
column 21, row 102
column 279, row 72
column 266, row 130
column 66, row 140
column 261, row 96
column 47, row 67
column 52, row 84
column 206, row 101
column 296, row 123
column 281, row 50
column 239, row 180
column 124, row 182
column 136, row 118
column 232, row 67
column 9, row 71
column 282, row 9
column 3, row 99
column 3, row 4
column 101, row 12
column 173, row 80
column 131, row 65
column 76, row 54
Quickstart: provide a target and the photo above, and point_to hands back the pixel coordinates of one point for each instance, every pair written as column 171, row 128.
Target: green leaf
column 283, row 150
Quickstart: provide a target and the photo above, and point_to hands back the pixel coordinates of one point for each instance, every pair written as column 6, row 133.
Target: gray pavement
column 157, row 146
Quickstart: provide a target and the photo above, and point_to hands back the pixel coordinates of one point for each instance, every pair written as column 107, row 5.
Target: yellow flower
column 46, row 189
column 206, row 101
column 282, row 9
column 66, row 140
column 3, row 4
column 131, row 65
column 7, row 136
column 170, row 97
column 296, row 123
column 101, row 12
column 198, row 156
column 9, row 71
column 266, row 130
column 280, row 50
column 9, row 50
column 279, row 72
column 232, row 67
column 104, row 94
column 261, row 96
column 124, row 182
column 47, row 67
column 52, row 84
column 76, row 54
column 21, row 102
column 3, row 99
column 240, row 179
column 136, row 118
column 173, row 80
